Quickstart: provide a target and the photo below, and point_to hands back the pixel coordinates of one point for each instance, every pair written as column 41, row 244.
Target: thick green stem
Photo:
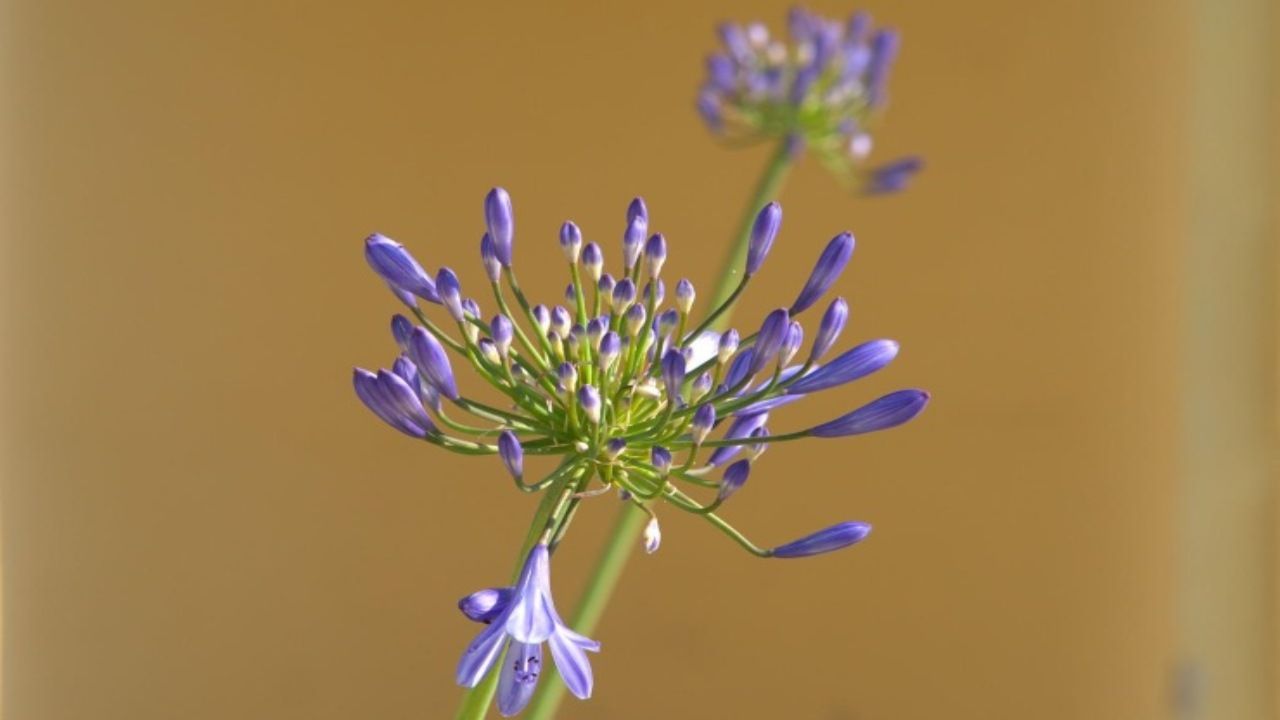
column 626, row 529
column 735, row 261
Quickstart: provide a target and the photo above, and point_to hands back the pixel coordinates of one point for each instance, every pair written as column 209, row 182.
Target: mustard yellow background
column 201, row 521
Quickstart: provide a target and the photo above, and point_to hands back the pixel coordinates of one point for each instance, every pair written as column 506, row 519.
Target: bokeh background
column 201, row 521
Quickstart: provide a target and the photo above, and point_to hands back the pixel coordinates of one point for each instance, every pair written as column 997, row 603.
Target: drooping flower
column 822, row 89
column 627, row 392
column 521, row 619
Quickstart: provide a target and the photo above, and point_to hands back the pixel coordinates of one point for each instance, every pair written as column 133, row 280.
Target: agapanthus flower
column 627, row 393
column 822, row 90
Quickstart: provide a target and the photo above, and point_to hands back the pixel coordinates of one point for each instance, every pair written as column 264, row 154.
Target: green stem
column 626, row 529
column 735, row 261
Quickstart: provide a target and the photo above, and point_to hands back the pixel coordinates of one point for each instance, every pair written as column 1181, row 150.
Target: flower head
column 822, row 89
column 626, row 392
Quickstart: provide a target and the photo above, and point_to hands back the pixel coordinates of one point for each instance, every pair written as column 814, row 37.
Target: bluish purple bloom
column 397, row 267
column 763, row 232
column 824, row 541
column 825, row 273
column 818, row 90
column 889, row 411
column 525, row 621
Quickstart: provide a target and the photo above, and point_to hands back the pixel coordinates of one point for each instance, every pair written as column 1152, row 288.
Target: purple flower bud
column 758, row 449
column 735, row 476
column 889, row 411
column 484, row 606
column 432, row 361
column 614, row 447
column 637, row 210
column 735, row 41
column 610, row 349
column 501, row 223
column 397, row 267
column 652, row 536
column 739, row 369
column 541, row 318
column 728, row 346
column 701, row 385
column 773, row 331
column 404, row 368
column 589, row 399
column 568, row 376
column 655, row 252
column 595, row 330
column 850, row 365
column 884, row 49
column 489, row 258
column 400, row 329
column 791, row 343
column 824, row 541
column 624, row 293
column 830, row 264
column 763, row 232
column 742, row 426
column 829, row 329
column 593, row 260
column 634, row 319
column 655, row 291
column 855, row 30
column 392, row 400
column 673, row 368
column 633, row 240
column 708, row 106
column 570, row 241
column 721, row 72
column 570, row 293
column 667, row 322
column 560, row 320
column 685, row 295
column 489, row 351
column 605, row 286
column 512, row 453
column 704, row 418
column 503, row 332
column 892, row 176
column 450, row 292
column 661, row 459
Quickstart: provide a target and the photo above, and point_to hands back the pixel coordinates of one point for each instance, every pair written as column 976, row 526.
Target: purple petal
column 480, row 655
column 521, row 669
column 531, row 618
column 484, row 606
column 572, row 662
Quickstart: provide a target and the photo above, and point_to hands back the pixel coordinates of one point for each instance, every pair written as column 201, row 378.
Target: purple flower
column 829, row 329
column 763, row 232
column 526, row 621
column 489, row 258
column 391, row 398
column 851, row 365
column 483, row 606
column 889, row 411
column 830, row 264
column 450, row 292
column 390, row 260
column 735, row 476
column 501, row 223
column 773, row 331
column 512, row 453
column 432, row 361
column 824, row 541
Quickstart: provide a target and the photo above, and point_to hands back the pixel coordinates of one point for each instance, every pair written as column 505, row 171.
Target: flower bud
column 735, row 476
column 829, row 328
column 401, row 326
column 605, row 287
column 610, row 349
column 568, row 376
column 501, row 223
column 450, row 292
column 847, row 367
column 470, row 309
column 593, row 260
column 685, row 296
column 570, row 241
column 432, row 361
column 830, row 264
column 728, row 346
column 489, row 258
column 889, row 411
column 701, row 386
column 595, row 330
column 624, row 293
column 560, row 321
column 397, row 267
column 892, row 176
column 673, row 368
column 489, row 351
column 633, row 319
column 652, row 536
column 614, row 447
column 512, row 453
column 704, row 418
column 667, row 322
column 655, row 252
column 661, row 459
column 655, row 291
column 589, row 400
column 773, row 331
column 824, row 541
column 743, row 426
column 763, row 232
column 503, row 332
column 541, row 318
column 791, row 343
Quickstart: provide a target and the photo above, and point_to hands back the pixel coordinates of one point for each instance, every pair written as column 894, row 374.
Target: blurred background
column 201, row 521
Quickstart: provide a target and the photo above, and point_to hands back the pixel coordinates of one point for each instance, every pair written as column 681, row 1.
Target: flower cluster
column 625, row 389
column 823, row 90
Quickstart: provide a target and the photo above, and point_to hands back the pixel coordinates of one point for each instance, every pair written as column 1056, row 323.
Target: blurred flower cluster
column 623, row 388
column 822, row 90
